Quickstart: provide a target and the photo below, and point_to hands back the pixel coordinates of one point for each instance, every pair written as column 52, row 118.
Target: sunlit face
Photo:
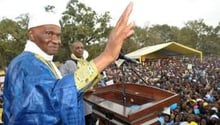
column 47, row 37
column 77, row 49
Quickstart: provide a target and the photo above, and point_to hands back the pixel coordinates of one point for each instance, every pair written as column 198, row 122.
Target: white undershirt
column 32, row 47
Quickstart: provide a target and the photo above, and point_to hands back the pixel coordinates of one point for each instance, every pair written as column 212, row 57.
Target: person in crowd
column 70, row 66
column 36, row 93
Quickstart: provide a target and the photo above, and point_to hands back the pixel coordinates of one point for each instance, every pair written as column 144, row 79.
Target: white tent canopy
column 163, row 51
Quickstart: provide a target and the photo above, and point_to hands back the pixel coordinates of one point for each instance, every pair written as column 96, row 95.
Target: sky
column 145, row 12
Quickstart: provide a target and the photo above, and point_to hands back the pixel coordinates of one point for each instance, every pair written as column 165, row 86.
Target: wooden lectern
column 137, row 105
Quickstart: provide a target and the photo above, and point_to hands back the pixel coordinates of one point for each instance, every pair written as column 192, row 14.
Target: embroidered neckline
column 49, row 64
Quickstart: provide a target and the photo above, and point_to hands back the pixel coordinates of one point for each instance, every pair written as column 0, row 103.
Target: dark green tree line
column 81, row 23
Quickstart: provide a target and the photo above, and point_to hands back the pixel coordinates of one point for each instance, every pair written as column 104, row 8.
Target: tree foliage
column 81, row 23
column 12, row 39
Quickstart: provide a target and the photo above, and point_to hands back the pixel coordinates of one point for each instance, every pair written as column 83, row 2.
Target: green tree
column 12, row 38
column 81, row 23
column 161, row 34
column 198, row 35
column 212, row 45
column 141, row 36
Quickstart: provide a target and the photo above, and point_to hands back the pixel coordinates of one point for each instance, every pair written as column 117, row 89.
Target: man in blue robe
column 35, row 93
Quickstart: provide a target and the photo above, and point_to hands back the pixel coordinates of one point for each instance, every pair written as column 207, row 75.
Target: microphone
column 128, row 59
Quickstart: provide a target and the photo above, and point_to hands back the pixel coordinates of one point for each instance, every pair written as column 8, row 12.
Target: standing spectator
column 70, row 66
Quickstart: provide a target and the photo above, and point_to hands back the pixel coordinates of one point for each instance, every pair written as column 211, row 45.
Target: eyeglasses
column 52, row 35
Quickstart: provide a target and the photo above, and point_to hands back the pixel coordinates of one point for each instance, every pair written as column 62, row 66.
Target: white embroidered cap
column 166, row 110
column 214, row 116
column 43, row 18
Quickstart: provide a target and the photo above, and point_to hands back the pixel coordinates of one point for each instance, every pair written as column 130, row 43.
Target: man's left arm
column 86, row 76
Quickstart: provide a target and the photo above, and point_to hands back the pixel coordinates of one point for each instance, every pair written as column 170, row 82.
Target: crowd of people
column 35, row 92
column 197, row 83
column 2, row 78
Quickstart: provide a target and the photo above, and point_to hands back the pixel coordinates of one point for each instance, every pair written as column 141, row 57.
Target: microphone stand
column 134, row 71
column 123, row 86
column 124, row 81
